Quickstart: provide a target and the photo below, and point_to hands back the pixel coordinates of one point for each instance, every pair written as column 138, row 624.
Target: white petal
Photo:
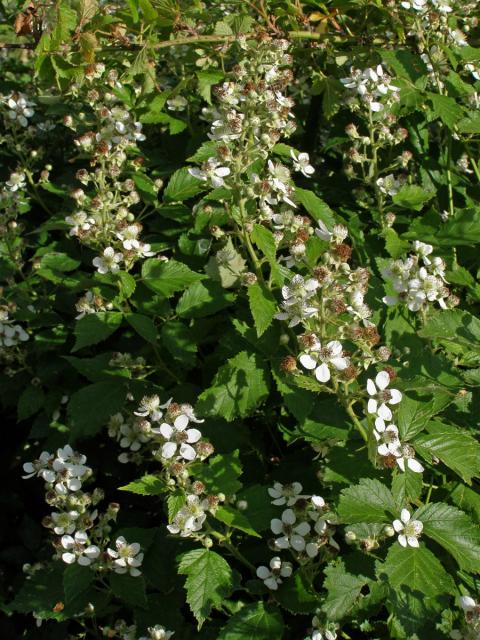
column 396, row 396
column 297, row 542
column 168, row 450
column 339, row 363
column 402, row 539
column 187, row 452
column 166, row 430
column 276, row 526
column 382, row 380
column 397, row 525
column 282, row 543
column 335, row 347
column 371, row 388
column 288, row 516
column 69, row 558
column 303, row 529
column 372, row 406
column 405, row 515
column 414, row 465
column 263, row 572
column 467, row 603
column 413, row 541
column 181, row 422
column 384, row 412
column 322, row 373
column 307, row 361
column 193, row 435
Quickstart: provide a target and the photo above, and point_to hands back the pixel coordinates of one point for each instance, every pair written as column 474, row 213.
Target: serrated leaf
column 209, row 581
column 31, row 400
column 454, row 531
column 237, row 389
column 453, row 327
column 406, row 486
column 143, row 325
column 455, row 448
column 130, row 590
column 262, row 305
column 416, row 582
column 446, row 108
column 148, row 485
column 76, row 580
column 316, row 207
column 254, row 622
column 343, row 588
column 297, row 594
column 90, row 408
column 95, row 328
column 221, row 474
column 166, row 278
column 203, row 299
column 368, row 501
column 182, row 186
column 236, row 519
column 414, row 413
column 411, row 196
column 206, row 80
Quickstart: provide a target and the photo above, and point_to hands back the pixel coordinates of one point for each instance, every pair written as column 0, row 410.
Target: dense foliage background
column 239, row 263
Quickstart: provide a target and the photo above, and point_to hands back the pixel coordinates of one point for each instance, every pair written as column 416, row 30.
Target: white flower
column 179, row 439
column 387, row 436
column 408, row 530
column 301, row 162
column 291, row 534
column 405, row 456
column 423, row 250
column 150, row 406
column 381, row 396
column 79, row 221
column 287, row 494
column 272, row 576
column 211, row 170
column 19, row 108
column 389, row 185
column 78, row 549
column 158, row 633
column 109, row 262
column 40, row 468
column 177, row 103
column 64, row 522
column 417, row 5
column 190, row 518
column 132, row 436
column 16, row 181
column 127, row 557
column 11, row 334
column 322, row 358
column 129, row 237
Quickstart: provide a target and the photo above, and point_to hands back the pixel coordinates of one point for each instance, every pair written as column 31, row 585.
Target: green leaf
column 166, row 278
column 221, row 474
column 182, row 186
column 414, row 413
column 179, row 340
column 453, row 328
column 446, row 109
column 454, row 531
column 206, row 80
column 144, row 326
column 417, row 581
column 203, row 299
column 406, row 487
column 95, row 328
column 236, row 519
column 40, row 593
column 455, row 448
column 76, row 580
column 31, row 400
column 463, row 229
column 130, row 590
column 148, row 485
column 238, row 387
column 209, row 581
column 262, row 305
column 254, row 622
column 297, row 595
column 148, row 12
column 90, row 408
column 343, row 588
column 59, row 262
column 316, row 207
column 146, row 187
column 265, row 241
column 411, row 196
column 368, row 501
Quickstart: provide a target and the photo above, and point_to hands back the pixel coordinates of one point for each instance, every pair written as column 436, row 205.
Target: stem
column 356, row 421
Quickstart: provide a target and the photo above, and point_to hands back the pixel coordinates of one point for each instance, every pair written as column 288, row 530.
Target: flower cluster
column 303, row 526
column 163, row 432
column 103, row 217
column 10, row 334
column 19, row 108
column 372, row 88
column 418, row 281
column 390, row 449
column 82, row 532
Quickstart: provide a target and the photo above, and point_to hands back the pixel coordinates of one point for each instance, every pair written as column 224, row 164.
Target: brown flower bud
column 288, row 364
